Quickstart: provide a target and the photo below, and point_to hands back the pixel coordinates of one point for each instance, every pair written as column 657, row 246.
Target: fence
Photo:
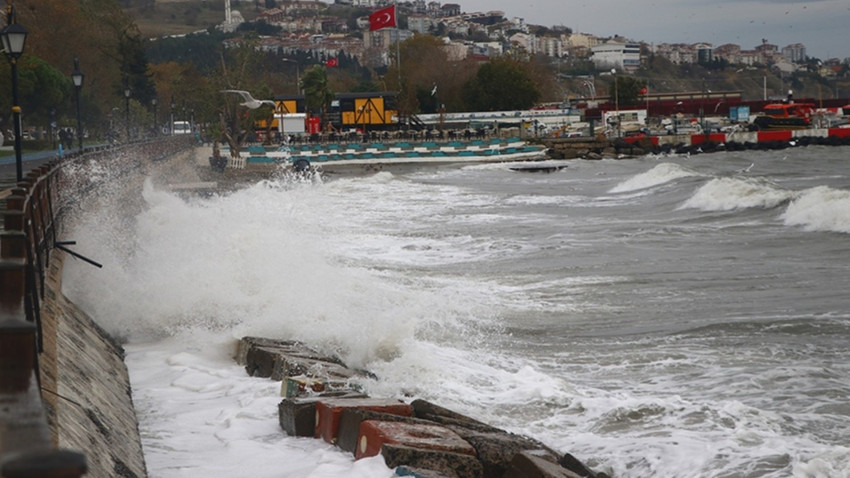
column 32, row 221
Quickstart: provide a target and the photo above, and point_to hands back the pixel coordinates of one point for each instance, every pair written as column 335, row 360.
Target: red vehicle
column 784, row 116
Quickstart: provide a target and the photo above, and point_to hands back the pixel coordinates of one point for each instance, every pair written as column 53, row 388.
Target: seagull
column 747, row 169
column 250, row 102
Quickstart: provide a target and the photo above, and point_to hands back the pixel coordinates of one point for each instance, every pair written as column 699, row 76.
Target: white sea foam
column 820, row 209
column 201, row 415
column 660, row 174
column 727, row 194
column 249, row 263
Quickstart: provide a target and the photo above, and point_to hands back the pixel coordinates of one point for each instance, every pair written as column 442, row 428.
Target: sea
column 661, row 316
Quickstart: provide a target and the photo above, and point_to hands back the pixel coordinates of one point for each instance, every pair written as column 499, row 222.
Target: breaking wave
column 728, row 194
column 820, row 209
column 661, row 174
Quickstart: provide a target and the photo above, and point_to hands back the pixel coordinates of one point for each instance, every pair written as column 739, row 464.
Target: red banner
column 382, row 18
column 332, row 62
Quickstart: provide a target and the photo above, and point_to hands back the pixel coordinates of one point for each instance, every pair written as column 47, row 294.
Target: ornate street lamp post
column 78, row 77
column 616, row 99
column 155, row 124
column 14, row 37
column 127, row 111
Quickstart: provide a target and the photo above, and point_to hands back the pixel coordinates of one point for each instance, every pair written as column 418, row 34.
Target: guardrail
column 32, row 221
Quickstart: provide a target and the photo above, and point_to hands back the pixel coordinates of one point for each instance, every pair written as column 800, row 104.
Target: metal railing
column 29, row 233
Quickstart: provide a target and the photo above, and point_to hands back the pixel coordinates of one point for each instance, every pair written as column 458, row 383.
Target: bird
column 747, row 169
column 250, row 102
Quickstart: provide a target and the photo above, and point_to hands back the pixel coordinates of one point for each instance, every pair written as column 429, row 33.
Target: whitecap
column 727, row 194
column 661, row 174
column 820, row 209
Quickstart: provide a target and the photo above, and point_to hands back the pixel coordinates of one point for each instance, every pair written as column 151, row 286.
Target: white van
column 182, row 127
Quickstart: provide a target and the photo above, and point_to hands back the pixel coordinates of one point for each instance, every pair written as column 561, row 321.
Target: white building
column 622, row 56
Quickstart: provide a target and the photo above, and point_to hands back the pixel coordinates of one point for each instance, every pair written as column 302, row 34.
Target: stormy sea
column 664, row 316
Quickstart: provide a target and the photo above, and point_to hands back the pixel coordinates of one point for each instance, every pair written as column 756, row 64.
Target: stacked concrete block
column 417, row 439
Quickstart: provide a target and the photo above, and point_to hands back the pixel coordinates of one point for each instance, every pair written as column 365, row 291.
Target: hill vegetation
column 121, row 47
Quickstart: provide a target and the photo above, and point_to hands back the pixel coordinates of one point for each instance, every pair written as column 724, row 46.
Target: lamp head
column 77, row 75
column 14, row 37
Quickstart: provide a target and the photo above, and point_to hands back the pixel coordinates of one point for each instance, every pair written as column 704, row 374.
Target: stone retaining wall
column 86, row 386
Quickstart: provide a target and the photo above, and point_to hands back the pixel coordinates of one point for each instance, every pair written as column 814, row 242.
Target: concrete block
column 419, row 472
column 496, row 450
column 297, row 415
column 528, row 465
column 291, row 365
column 455, row 465
column 437, row 414
column 328, row 412
column 349, row 425
column 374, row 434
column 573, row 464
column 303, row 385
column 247, row 343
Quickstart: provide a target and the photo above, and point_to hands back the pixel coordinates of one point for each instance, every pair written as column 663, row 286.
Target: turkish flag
column 382, row 18
column 332, row 62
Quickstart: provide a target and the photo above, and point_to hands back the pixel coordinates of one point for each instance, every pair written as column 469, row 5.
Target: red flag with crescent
column 332, row 62
column 382, row 18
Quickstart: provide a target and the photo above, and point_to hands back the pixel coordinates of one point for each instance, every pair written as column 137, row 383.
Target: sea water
column 665, row 316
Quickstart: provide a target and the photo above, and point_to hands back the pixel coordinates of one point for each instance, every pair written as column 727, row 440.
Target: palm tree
column 318, row 93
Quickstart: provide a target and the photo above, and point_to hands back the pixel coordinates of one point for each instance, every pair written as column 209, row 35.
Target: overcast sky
column 822, row 25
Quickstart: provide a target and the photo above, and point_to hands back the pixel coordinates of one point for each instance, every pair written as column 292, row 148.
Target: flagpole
column 397, row 46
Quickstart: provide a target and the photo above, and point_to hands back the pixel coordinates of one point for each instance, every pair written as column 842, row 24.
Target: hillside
column 157, row 18
column 175, row 17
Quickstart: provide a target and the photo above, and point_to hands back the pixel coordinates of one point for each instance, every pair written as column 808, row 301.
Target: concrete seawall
column 67, row 408
column 86, row 386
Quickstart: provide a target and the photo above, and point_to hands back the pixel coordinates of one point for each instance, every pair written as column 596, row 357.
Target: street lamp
column 127, row 111
column 78, row 77
column 171, row 131
column 297, row 74
column 155, row 125
column 616, row 99
column 14, row 36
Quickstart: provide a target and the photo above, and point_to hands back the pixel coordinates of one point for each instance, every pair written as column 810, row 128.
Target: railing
column 31, row 229
column 28, row 234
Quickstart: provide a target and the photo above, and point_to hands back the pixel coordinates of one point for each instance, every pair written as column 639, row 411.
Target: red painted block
column 764, row 136
column 839, row 132
column 374, row 434
column 328, row 412
column 707, row 138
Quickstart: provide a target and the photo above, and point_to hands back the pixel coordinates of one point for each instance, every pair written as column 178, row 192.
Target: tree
column 501, row 84
column 238, row 65
column 317, row 90
column 625, row 89
column 90, row 30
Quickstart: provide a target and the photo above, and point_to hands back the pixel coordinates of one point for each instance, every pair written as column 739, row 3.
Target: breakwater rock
column 632, row 146
column 322, row 399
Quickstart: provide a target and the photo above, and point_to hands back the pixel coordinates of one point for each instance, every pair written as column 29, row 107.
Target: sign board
column 291, row 123
column 739, row 114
